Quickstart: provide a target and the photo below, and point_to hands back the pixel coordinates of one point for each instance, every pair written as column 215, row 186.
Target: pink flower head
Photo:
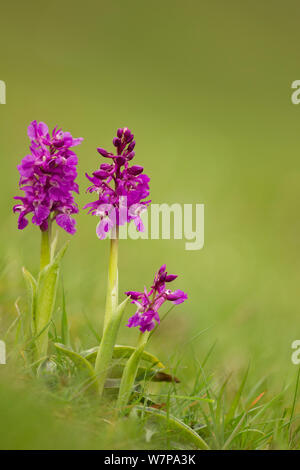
column 148, row 303
column 47, row 177
column 121, row 188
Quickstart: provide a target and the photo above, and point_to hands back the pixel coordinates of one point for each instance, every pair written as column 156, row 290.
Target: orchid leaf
column 130, row 373
column 59, row 255
column 143, row 373
column 45, row 299
column 80, row 362
column 65, row 332
column 112, row 383
column 175, row 424
column 122, row 351
column 31, row 290
column 106, row 348
column 53, row 246
column 155, row 375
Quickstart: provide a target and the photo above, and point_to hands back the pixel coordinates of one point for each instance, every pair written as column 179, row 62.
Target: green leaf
column 31, row 285
column 112, row 383
column 58, row 257
column 175, row 424
column 130, row 373
column 106, row 348
column 155, row 375
column 53, row 246
column 121, row 351
column 45, row 300
column 65, row 333
column 81, row 363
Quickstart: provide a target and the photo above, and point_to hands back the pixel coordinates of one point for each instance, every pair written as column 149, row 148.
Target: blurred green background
column 206, row 89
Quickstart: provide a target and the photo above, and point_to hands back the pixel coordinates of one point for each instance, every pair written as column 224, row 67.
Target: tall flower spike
column 148, row 303
column 121, row 188
column 47, row 177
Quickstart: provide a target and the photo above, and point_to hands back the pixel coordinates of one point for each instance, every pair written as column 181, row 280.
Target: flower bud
column 135, row 170
column 101, row 174
column 130, row 156
column 134, row 295
column 106, row 166
column 170, row 277
column 104, row 153
column 116, row 142
column 131, row 146
column 162, row 269
column 120, row 133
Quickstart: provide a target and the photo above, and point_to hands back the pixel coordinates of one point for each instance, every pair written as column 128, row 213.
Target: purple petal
column 170, row 277
column 32, row 130
column 41, row 213
column 22, row 222
column 66, row 222
column 177, row 297
column 102, row 229
column 135, row 295
column 162, row 269
column 135, row 170
column 42, row 129
column 104, row 153
column 134, row 321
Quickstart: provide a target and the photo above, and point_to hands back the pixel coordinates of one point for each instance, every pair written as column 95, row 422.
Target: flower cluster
column 120, row 187
column 47, row 177
column 148, row 303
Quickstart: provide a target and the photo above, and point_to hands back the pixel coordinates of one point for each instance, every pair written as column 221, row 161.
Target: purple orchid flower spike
column 121, row 188
column 146, row 318
column 47, row 177
column 148, row 303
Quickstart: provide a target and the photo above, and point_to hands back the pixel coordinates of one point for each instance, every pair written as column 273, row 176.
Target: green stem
column 130, row 372
column 112, row 317
column 112, row 281
column 45, row 248
column 44, row 306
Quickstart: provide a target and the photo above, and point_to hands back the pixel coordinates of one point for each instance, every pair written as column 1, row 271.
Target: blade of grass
column 294, row 404
column 234, row 432
column 236, row 400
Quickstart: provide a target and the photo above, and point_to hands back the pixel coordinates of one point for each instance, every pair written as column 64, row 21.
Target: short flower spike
column 148, row 303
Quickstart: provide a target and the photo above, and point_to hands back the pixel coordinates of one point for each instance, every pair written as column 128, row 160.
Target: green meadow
column 206, row 89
